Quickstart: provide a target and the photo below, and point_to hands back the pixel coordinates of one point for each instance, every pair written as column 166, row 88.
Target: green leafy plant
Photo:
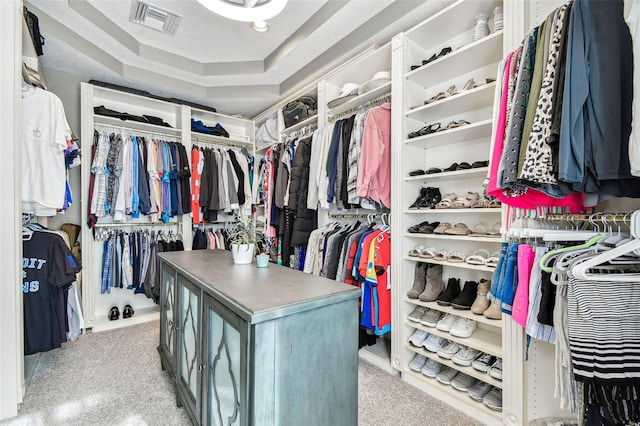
column 245, row 232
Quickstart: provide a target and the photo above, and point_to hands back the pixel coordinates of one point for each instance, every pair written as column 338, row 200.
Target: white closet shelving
column 478, row 60
column 96, row 306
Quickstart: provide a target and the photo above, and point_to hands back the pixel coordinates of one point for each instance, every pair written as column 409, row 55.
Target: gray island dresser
column 258, row 346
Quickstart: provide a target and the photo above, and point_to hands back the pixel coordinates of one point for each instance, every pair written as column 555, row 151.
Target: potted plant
column 263, row 256
column 243, row 242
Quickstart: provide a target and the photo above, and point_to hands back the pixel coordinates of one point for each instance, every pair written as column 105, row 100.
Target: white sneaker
column 418, row 337
column 445, row 323
column 433, row 343
column 417, row 362
column 495, row 370
column 432, row 368
column 446, row 375
column 449, row 350
column 465, row 356
column 463, row 327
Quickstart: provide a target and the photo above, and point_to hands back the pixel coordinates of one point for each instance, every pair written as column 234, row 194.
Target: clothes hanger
column 553, row 253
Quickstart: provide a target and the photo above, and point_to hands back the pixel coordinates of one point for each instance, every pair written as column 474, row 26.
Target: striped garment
column 604, row 331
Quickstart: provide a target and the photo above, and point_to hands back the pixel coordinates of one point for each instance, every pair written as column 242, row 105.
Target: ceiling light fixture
column 245, row 10
column 260, row 26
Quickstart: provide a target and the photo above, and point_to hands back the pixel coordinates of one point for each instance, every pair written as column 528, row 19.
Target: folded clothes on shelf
column 217, row 130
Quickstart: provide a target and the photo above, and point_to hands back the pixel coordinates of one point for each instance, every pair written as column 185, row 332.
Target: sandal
column 415, row 228
column 479, row 257
column 447, row 201
column 470, row 84
column 466, row 202
column 431, row 128
column 442, row 255
column 427, row 228
column 415, row 252
column 480, row 229
column 435, row 98
column 492, row 261
column 458, row 229
column 482, row 203
column 457, row 256
column 442, row 228
column 494, row 203
column 495, row 230
column 428, row 253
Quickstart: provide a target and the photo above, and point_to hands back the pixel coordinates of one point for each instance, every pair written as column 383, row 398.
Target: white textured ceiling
column 213, row 60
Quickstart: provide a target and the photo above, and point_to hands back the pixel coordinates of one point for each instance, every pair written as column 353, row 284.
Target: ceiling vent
column 154, row 17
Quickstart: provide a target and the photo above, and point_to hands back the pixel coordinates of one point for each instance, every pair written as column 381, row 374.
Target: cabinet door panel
column 188, row 339
column 168, row 309
column 225, row 357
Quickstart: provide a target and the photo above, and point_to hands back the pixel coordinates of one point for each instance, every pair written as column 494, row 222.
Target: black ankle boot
column 433, row 198
column 421, row 199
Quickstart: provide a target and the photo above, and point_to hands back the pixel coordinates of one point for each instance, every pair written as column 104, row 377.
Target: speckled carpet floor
column 114, row 378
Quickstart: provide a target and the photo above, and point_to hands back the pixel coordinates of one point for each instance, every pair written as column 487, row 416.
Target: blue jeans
column 496, row 281
column 510, row 282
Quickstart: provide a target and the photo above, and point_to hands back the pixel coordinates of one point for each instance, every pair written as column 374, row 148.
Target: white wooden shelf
column 448, row 363
column 102, row 323
column 481, row 339
column 457, row 312
column 456, row 174
column 461, row 265
column 359, row 100
column 116, row 123
column 378, row 355
column 483, row 52
column 497, row 239
column 311, row 120
column 455, row 211
column 453, row 397
column 465, row 100
column 205, row 138
column 477, row 130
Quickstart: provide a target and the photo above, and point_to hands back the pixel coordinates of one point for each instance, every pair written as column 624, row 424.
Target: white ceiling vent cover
column 154, row 17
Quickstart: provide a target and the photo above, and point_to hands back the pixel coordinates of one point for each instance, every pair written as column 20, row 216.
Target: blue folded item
column 217, row 130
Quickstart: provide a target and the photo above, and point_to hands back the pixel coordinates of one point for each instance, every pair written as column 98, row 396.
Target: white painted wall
column 11, row 375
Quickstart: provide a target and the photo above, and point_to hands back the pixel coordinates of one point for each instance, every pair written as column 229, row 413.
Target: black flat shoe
column 127, row 312
column 416, row 228
column 114, row 313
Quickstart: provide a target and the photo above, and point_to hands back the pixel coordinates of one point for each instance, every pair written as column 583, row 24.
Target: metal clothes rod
column 358, row 215
column 134, row 224
column 371, row 102
column 136, row 130
column 204, row 144
column 607, row 218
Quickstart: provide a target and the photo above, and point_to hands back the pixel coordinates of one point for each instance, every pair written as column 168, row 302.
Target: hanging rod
column 358, row 215
column 134, row 224
column 371, row 102
column 607, row 218
column 134, row 130
column 221, row 144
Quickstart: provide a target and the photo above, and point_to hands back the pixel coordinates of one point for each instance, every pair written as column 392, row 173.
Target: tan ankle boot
column 482, row 302
column 493, row 312
column 419, row 280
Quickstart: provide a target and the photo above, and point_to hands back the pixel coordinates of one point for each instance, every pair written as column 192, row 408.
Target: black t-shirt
column 47, row 268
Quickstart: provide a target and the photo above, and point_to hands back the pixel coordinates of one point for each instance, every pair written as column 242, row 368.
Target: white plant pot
column 242, row 253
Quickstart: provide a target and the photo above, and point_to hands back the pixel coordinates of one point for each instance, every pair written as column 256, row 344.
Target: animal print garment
column 538, row 162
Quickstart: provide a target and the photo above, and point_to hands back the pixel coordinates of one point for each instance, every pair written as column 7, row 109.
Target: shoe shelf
column 453, row 397
column 361, row 99
column 462, row 265
column 457, row 174
column 311, row 120
column 465, row 100
column 481, row 319
column 103, row 120
column 446, row 24
column 479, row 54
column 455, row 211
column 454, row 237
column 462, row 134
column 448, row 363
column 481, row 339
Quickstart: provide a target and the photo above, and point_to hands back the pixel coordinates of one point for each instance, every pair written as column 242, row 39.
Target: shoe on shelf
column 431, row 368
column 482, row 302
column 495, row 370
column 434, row 343
column 493, row 399
column 483, row 362
column 419, row 280
column 466, row 297
column 422, row 196
column 451, row 292
column 128, row 311
column 417, row 362
column 418, row 337
column 479, row 390
column 445, row 323
column 434, row 285
column 463, row 382
column 114, row 313
column 446, row 375
column 431, row 317
column 463, row 327
column 493, row 312
column 417, row 314
column 465, row 356
column 449, row 350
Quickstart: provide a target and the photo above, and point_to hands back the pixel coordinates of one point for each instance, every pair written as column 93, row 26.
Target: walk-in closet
column 320, row 212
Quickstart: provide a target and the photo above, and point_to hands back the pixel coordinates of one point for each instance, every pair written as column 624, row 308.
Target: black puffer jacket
column 305, row 220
